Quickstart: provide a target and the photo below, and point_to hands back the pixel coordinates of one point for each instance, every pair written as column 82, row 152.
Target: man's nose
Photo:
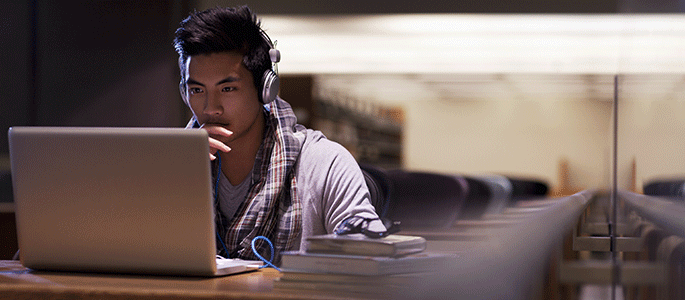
column 213, row 105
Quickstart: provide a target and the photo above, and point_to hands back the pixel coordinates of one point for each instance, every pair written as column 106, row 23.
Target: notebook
column 122, row 200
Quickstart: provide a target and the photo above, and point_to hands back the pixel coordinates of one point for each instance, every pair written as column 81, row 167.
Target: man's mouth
column 215, row 124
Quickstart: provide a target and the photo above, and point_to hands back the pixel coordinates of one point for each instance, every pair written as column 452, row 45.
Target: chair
column 674, row 188
column 477, row 200
column 527, row 188
column 500, row 192
column 379, row 187
column 425, row 200
column 488, row 194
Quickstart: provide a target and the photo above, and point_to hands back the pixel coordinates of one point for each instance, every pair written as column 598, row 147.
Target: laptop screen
column 113, row 199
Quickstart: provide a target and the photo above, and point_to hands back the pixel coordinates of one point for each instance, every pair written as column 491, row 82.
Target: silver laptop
column 124, row 200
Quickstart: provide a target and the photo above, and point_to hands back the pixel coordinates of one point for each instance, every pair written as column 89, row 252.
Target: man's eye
column 228, row 89
column 194, row 90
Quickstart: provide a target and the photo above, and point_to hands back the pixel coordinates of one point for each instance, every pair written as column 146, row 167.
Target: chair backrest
column 488, row 194
column 527, row 188
column 379, row 187
column 425, row 200
column 674, row 187
column 477, row 200
column 500, row 192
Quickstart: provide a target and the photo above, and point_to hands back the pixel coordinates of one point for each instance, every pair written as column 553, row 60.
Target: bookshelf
column 370, row 131
column 564, row 187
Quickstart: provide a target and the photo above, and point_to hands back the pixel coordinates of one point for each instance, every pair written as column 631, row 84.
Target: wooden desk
column 512, row 265
column 17, row 282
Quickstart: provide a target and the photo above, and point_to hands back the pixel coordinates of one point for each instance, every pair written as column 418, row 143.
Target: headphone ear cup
column 270, row 86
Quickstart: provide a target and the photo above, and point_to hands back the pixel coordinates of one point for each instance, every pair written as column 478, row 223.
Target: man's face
column 221, row 92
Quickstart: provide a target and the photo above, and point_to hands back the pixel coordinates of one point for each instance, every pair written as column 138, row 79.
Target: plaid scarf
column 272, row 207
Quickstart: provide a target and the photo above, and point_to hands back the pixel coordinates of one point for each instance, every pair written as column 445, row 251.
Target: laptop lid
column 128, row 200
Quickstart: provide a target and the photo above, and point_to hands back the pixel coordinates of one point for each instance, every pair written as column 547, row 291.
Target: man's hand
column 215, row 132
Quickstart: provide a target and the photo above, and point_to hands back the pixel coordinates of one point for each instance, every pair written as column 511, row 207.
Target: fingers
column 216, row 130
column 215, row 145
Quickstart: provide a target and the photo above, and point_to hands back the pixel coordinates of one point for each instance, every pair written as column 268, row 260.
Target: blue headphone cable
column 268, row 263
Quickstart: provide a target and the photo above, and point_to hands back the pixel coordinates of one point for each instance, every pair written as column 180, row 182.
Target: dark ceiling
column 323, row 7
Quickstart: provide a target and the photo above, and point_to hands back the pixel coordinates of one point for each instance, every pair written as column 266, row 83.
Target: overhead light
column 467, row 43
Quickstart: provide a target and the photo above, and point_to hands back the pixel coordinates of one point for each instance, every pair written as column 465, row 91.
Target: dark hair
column 224, row 30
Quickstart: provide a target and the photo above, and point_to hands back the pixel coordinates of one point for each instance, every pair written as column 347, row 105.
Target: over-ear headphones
column 270, row 82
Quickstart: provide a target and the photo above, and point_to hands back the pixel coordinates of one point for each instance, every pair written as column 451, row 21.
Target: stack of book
column 358, row 264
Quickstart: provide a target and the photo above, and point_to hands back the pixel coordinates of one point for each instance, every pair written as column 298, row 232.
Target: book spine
column 361, row 249
column 330, row 265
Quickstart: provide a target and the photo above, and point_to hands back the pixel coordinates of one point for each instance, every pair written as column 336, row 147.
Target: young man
column 273, row 177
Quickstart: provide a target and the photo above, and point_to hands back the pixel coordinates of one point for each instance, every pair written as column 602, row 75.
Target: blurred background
column 507, row 87
column 575, row 94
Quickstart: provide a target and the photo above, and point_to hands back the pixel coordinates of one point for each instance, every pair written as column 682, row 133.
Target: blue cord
column 216, row 196
column 267, row 262
column 254, row 249
column 222, row 243
column 218, row 173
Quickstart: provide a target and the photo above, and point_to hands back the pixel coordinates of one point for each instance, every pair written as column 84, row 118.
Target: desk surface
column 17, row 282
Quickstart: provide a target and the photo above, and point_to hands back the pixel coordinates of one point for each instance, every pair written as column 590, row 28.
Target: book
column 296, row 261
column 359, row 244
